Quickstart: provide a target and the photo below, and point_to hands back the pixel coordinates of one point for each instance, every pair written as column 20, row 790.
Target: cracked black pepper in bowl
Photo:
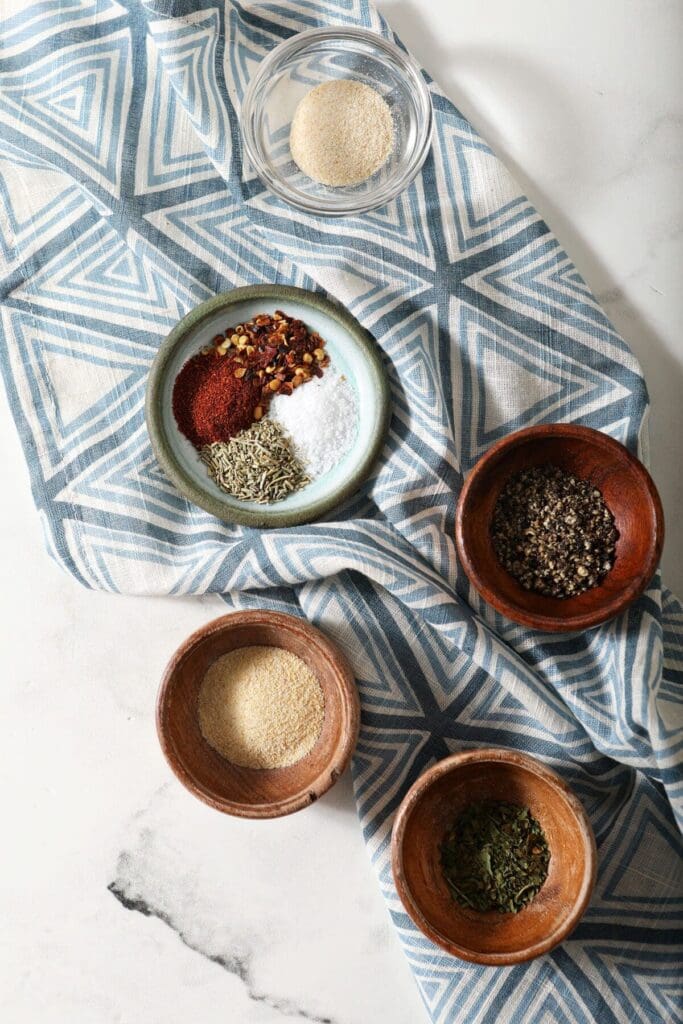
column 553, row 532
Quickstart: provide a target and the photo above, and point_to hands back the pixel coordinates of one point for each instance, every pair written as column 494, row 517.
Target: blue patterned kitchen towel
column 123, row 203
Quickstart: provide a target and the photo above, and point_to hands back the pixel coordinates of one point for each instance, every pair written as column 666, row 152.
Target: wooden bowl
column 249, row 792
column 629, row 492
column 428, row 811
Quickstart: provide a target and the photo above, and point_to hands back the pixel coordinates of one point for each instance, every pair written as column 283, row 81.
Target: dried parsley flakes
column 495, row 857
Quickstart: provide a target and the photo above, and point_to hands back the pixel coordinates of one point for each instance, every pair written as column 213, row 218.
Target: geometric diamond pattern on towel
column 123, row 204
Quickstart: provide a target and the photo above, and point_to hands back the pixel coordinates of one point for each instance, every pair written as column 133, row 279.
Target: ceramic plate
column 352, row 352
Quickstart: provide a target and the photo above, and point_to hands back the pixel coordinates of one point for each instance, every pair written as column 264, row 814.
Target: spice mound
column 261, row 707
column 553, row 532
column 495, row 857
column 342, row 133
column 209, row 402
column 257, row 464
column 322, row 419
column 222, row 398
column 229, row 384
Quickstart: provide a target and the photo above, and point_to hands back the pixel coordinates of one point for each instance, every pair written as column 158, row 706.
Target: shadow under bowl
column 249, row 792
column 430, row 809
column 629, row 492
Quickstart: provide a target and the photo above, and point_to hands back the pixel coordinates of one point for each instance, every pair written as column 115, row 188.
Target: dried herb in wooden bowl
column 495, row 857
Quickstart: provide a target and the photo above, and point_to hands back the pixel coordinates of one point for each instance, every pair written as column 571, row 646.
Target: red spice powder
column 209, row 402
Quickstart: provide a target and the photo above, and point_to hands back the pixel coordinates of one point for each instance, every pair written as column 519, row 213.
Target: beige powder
column 342, row 132
column 261, row 707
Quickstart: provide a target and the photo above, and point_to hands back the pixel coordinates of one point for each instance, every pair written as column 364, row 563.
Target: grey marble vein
column 234, row 964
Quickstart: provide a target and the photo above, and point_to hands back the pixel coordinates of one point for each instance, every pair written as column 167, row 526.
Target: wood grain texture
column 256, row 792
column 629, row 492
column 428, row 811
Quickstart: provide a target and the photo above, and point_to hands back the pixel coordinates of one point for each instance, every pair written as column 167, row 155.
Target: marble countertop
column 123, row 899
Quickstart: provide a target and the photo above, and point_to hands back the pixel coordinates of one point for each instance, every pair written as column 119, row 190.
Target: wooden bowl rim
column 602, row 613
column 350, row 713
column 584, row 831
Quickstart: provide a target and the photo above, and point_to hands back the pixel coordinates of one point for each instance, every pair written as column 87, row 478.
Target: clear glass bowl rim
column 367, row 200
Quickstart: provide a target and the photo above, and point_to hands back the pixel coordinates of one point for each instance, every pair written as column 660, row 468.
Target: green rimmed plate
column 353, row 352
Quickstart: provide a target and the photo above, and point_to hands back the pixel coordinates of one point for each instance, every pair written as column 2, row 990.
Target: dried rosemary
column 495, row 857
column 257, row 464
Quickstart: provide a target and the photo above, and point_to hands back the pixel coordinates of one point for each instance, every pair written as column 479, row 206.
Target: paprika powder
column 209, row 403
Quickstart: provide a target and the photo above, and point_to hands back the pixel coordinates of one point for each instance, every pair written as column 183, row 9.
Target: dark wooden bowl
column 629, row 492
column 249, row 792
column 428, row 811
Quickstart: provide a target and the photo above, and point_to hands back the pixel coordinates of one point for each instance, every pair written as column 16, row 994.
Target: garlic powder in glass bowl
column 289, row 72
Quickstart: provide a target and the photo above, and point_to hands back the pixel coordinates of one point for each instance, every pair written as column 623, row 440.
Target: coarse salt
column 321, row 418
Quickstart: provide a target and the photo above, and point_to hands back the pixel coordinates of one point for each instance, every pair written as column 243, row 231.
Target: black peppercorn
column 553, row 532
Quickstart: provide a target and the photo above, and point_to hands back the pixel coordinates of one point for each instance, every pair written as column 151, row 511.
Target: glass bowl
column 290, row 71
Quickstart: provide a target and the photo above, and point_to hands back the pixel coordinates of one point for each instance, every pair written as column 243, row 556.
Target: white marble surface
column 122, row 899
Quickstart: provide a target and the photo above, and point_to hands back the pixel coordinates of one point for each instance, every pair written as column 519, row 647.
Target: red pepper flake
column 211, row 404
column 279, row 349
column 228, row 385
